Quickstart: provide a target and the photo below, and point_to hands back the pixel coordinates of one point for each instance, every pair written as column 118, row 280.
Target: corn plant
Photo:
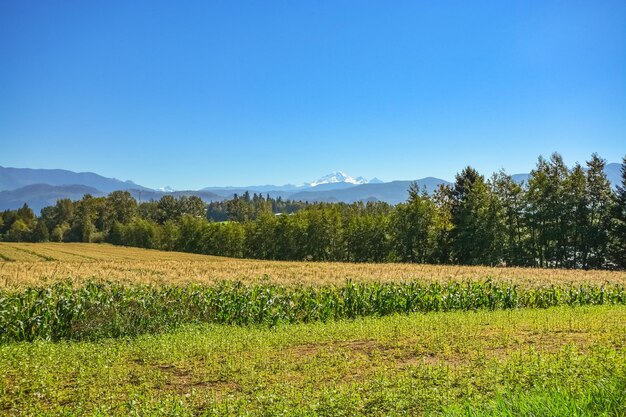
column 98, row 310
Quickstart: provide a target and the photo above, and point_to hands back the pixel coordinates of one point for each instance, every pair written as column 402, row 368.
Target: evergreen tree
column 474, row 219
column 600, row 200
column 618, row 229
column 510, row 196
column 547, row 212
column 575, row 224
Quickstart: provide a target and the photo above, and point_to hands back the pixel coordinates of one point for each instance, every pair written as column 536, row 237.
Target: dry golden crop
column 28, row 264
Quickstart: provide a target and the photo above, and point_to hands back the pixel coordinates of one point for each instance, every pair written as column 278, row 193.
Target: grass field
column 124, row 331
column 440, row 363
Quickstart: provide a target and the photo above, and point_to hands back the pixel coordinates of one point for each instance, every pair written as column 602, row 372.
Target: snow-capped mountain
column 337, row 177
column 167, row 189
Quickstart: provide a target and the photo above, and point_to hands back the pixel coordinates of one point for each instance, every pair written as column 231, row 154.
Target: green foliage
column 41, row 233
column 246, row 207
column 601, row 398
column 59, row 232
column 413, row 229
column 18, row 232
column 122, row 205
column 111, row 310
column 141, row 233
column 367, row 238
column 476, row 221
column 17, row 225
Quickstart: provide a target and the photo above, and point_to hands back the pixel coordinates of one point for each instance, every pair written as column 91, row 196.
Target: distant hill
column 147, row 195
column 14, row 178
column 614, row 173
column 38, row 196
column 520, row 178
column 257, row 188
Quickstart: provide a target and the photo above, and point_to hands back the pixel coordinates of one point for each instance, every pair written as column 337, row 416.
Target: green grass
column 99, row 310
column 606, row 397
column 556, row 361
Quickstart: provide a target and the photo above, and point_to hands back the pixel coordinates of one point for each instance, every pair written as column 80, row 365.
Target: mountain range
column 43, row 187
column 14, row 178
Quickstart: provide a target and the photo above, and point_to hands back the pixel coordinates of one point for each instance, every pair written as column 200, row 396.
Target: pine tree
column 510, row 197
column 547, row 212
column 575, row 226
column 475, row 220
column 618, row 224
column 600, row 200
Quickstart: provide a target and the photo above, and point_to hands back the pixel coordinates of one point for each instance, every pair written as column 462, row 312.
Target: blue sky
column 198, row 93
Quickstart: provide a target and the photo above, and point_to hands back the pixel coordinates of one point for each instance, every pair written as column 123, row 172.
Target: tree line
column 560, row 218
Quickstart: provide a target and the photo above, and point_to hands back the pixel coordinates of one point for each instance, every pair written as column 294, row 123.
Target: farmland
column 29, row 264
column 101, row 330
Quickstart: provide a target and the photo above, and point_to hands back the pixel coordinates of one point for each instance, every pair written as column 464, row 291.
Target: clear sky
column 197, row 93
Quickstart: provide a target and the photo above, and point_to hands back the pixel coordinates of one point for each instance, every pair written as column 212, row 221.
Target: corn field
column 98, row 310
column 42, row 264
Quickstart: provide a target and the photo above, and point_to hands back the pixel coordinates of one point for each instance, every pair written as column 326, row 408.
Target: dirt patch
column 551, row 341
column 491, row 345
column 419, row 360
column 364, row 346
column 401, row 356
column 183, row 381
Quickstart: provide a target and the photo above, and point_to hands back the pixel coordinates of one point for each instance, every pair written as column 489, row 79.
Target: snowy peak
column 338, row 177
